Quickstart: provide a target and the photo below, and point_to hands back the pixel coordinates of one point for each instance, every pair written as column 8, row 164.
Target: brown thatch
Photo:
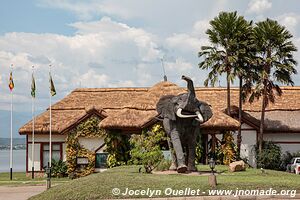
column 134, row 108
column 61, row 119
column 289, row 100
column 221, row 121
column 278, row 120
column 127, row 119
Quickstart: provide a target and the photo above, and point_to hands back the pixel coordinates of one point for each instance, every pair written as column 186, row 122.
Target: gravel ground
column 20, row 192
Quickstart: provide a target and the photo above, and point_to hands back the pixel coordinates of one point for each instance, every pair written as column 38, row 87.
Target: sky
column 114, row 43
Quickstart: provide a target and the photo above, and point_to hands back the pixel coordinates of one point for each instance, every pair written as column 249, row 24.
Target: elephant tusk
column 179, row 114
column 200, row 116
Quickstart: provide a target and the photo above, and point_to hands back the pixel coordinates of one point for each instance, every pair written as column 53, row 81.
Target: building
column 130, row 110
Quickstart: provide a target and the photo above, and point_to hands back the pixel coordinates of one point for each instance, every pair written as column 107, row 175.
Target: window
column 101, row 160
column 56, row 153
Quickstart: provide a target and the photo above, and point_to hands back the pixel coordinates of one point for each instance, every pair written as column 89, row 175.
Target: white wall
column 285, row 137
column 37, row 146
column 292, row 148
column 45, row 138
column 248, row 142
column 91, row 143
column 37, row 158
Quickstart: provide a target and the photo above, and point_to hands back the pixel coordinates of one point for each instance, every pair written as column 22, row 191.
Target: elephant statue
column 182, row 116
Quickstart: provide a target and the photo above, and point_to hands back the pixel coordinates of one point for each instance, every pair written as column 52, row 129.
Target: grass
column 99, row 186
column 20, row 179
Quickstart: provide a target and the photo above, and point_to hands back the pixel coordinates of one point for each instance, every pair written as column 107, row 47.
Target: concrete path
column 19, row 192
column 224, row 198
column 25, row 192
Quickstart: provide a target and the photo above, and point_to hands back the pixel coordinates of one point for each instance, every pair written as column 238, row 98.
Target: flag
column 33, row 87
column 11, row 84
column 52, row 88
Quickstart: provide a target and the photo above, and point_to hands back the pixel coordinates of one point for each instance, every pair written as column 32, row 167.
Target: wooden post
column 206, row 149
column 212, row 181
column 213, row 144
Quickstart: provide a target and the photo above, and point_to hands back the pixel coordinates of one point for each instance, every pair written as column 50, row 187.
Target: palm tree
column 230, row 53
column 244, row 70
column 275, row 64
column 225, row 35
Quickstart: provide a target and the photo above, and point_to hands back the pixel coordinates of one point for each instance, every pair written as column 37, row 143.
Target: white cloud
column 103, row 53
column 92, row 80
column 87, row 10
column 290, row 21
column 190, row 42
column 200, row 27
column 186, row 42
column 258, row 6
column 179, row 65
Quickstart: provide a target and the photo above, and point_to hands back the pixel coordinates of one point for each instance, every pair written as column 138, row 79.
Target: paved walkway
column 297, row 197
column 25, row 192
column 19, row 192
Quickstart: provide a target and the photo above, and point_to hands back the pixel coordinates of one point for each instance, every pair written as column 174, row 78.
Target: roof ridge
column 271, row 110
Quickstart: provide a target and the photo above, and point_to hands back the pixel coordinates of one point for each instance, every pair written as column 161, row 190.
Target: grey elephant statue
column 182, row 116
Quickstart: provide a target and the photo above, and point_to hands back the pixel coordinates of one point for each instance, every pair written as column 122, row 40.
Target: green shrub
column 163, row 165
column 146, row 149
column 286, row 159
column 59, row 169
column 270, row 157
column 118, row 148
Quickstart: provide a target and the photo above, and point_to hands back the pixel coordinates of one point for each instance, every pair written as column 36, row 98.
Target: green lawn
column 20, row 179
column 100, row 185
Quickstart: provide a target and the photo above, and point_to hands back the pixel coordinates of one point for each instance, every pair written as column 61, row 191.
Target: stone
column 237, row 166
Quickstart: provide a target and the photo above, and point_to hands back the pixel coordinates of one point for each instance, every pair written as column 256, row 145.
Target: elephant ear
column 165, row 107
column 206, row 111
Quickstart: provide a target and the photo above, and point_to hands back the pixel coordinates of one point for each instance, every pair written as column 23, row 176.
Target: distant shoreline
column 15, row 147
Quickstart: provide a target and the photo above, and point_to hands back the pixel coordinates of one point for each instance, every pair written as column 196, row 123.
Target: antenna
column 164, row 71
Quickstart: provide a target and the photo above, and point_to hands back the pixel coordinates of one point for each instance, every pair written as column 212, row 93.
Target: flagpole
column 50, row 130
column 11, row 131
column 32, row 144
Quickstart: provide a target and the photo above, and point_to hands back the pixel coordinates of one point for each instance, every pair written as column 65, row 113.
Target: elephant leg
column 191, row 158
column 170, row 125
column 192, row 151
column 179, row 151
column 173, row 156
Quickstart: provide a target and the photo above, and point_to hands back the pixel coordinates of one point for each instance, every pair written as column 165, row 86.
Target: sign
column 82, row 161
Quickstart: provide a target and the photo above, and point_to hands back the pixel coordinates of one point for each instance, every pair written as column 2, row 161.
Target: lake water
column 19, row 160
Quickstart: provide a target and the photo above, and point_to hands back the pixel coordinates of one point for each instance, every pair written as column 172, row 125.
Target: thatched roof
column 134, row 108
column 278, row 120
column 62, row 120
column 217, row 97
column 220, row 121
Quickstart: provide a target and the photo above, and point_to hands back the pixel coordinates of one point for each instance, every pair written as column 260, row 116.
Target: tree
column 244, row 70
column 275, row 64
column 226, row 36
column 231, row 53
